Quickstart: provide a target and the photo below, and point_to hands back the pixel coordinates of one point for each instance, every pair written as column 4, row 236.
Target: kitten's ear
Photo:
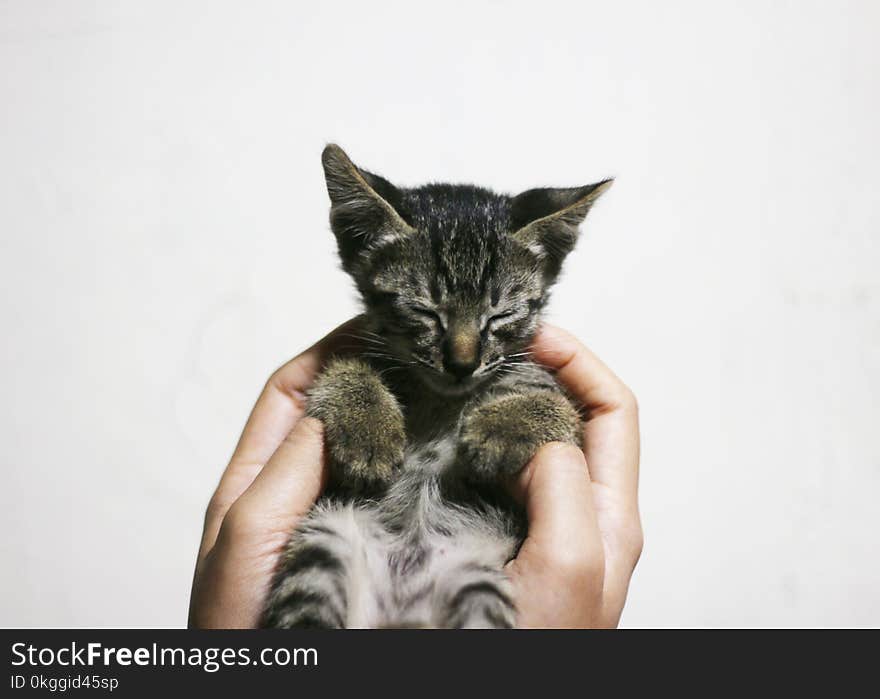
column 546, row 220
column 365, row 208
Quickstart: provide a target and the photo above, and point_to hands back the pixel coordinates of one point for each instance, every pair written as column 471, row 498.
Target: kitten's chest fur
column 429, row 416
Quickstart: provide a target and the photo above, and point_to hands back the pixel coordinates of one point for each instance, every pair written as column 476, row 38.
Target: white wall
column 163, row 246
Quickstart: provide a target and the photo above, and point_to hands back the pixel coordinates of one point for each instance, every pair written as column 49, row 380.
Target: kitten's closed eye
column 429, row 314
column 502, row 316
column 500, row 319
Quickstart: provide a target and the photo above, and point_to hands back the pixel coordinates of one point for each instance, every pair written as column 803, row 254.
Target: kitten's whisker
column 389, row 359
column 364, row 338
column 386, row 357
column 423, row 362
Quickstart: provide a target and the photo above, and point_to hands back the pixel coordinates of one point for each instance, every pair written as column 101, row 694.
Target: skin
column 584, row 538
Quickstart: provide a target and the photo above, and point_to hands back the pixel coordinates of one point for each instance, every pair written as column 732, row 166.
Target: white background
column 164, row 246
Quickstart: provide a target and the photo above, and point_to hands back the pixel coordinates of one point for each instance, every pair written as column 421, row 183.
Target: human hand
column 274, row 477
column 585, row 535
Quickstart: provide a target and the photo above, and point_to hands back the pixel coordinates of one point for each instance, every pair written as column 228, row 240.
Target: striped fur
column 368, row 564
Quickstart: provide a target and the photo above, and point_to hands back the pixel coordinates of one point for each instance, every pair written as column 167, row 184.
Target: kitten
column 425, row 426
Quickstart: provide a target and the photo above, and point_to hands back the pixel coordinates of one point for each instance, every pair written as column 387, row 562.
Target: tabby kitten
column 424, row 427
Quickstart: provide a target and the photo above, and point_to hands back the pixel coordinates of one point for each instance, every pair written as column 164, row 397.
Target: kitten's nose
column 461, row 355
column 463, row 370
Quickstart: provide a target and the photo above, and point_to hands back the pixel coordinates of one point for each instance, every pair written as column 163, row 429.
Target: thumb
column 557, row 493
column 289, row 483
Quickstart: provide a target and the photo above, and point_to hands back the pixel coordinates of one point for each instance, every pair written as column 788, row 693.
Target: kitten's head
column 453, row 276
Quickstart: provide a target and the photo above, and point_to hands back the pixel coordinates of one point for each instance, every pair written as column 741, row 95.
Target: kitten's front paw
column 500, row 436
column 363, row 424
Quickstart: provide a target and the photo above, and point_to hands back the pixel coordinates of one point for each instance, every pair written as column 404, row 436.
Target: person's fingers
column 582, row 372
column 280, row 405
column 562, row 557
column 282, row 401
column 238, row 568
column 285, row 489
column 612, row 425
column 555, row 487
column 622, row 537
column 611, row 448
